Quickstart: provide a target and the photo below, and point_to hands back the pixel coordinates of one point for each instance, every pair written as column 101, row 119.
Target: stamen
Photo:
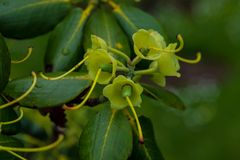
column 66, row 73
column 13, row 121
column 15, row 154
column 126, row 90
column 24, row 95
column 194, row 61
column 39, row 149
column 25, row 58
column 88, row 95
column 140, row 134
column 181, row 45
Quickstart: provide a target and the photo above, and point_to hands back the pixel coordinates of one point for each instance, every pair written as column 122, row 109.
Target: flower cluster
column 121, row 79
column 148, row 45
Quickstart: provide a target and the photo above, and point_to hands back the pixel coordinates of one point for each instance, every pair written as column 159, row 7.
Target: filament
column 193, row 61
column 181, row 45
column 39, row 149
column 15, row 154
column 140, row 134
column 88, row 95
column 66, row 73
column 13, row 121
column 24, row 95
column 25, row 58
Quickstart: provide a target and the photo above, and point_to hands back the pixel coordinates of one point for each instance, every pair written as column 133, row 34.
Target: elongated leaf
column 132, row 19
column 5, row 63
column 149, row 150
column 64, row 43
column 30, row 18
column 48, row 93
column 103, row 24
column 163, row 96
column 10, row 142
column 106, row 137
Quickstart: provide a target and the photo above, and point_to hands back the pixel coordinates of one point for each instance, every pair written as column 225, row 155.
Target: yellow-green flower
column 98, row 43
column 114, row 92
column 97, row 59
column 146, row 43
column 168, row 64
column 159, row 79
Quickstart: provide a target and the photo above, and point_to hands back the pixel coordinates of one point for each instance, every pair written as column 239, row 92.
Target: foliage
column 99, row 58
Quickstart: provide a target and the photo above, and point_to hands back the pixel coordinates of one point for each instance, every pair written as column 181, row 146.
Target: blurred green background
column 209, row 129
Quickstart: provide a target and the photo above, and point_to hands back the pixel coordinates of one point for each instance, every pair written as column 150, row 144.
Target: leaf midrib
column 127, row 19
column 107, row 134
column 147, row 152
column 31, row 5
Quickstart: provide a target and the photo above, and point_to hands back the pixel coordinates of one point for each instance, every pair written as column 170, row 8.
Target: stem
column 120, row 63
column 136, row 60
column 124, row 69
column 24, row 95
column 146, row 71
column 113, row 50
column 40, row 149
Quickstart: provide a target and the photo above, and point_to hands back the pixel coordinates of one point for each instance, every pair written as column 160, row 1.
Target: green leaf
column 48, row 93
column 149, row 150
column 8, row 114
column 107, row 136
column 64, row 43
column 10, row 142
column 5, row 63
column 132, row 19
column 163, row 96
column 104, row 25
column 29, row 18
